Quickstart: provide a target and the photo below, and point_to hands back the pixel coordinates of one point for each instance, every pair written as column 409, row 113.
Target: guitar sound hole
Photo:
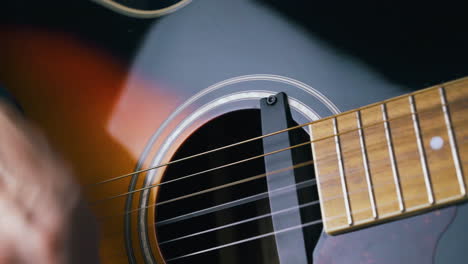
column 198, row 230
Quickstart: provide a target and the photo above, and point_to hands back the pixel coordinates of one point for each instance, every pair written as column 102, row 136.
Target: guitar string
column 339, row 196
column 235, row 203
column 408, row 115
column 260, row 137
column 227, row 185
column 311, row 223
column 259, row 176
column 299, row 185
column 198, row 173
column 237, row 223
column 247, row 240
column 383, row 205
column 316, row 202
column 231, row 204
column 264, row 195
column 235, row 243
column 192, row 156
column 363, row 189
column 93, row 203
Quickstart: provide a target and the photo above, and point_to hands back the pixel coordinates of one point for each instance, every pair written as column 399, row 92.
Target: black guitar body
column 208, row 63
column 434, row 237
column 215, row 49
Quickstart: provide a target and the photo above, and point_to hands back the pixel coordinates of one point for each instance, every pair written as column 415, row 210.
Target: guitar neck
column 394, row 158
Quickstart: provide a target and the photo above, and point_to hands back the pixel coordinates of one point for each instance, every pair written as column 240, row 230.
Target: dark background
column 412, row 45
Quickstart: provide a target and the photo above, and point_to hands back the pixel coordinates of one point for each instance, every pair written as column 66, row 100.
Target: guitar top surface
column 116, row 94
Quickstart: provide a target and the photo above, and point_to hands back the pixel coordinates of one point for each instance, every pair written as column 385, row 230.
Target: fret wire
column 410, row 210
column 255, row 138
column 300, row 185
column 453, row 146
column 392, row 158
column 319, row 187
column 312, row 142
column 358, row 211
column 323, row 220
column 309, row 142
column 365, row 162
column 344, row 186
column 422, row 154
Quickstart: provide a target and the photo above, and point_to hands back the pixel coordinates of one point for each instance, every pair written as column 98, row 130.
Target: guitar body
column 427, row 238
column 194, row 69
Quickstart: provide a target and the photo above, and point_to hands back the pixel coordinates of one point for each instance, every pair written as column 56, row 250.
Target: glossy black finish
column 276, row 116
column 411, row 47
column 453, row 245
column 411, row 240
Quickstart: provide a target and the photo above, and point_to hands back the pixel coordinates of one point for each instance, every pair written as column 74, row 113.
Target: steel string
column 260, row 137
column 92, row 203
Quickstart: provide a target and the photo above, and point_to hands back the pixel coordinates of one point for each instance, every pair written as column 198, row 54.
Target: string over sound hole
column 224, row 214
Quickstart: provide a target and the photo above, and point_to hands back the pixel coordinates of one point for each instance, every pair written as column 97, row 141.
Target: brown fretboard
column 394, row 158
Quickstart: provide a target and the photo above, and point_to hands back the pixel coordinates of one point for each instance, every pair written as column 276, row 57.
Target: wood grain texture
column 417, row 159
column 74, row 107
column 330, row 185
column 354, row 171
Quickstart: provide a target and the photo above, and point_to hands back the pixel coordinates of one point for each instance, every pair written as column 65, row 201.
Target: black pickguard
column 436, row 237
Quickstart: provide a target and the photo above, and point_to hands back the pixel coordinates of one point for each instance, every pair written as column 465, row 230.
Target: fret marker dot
column 436, row 143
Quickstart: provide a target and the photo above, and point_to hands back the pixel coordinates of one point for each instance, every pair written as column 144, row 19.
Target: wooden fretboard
column 391, row 159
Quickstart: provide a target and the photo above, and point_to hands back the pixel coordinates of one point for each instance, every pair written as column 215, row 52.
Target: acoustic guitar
column 247, row 141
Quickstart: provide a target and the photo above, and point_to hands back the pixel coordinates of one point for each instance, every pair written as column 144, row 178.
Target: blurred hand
column 42, row 217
